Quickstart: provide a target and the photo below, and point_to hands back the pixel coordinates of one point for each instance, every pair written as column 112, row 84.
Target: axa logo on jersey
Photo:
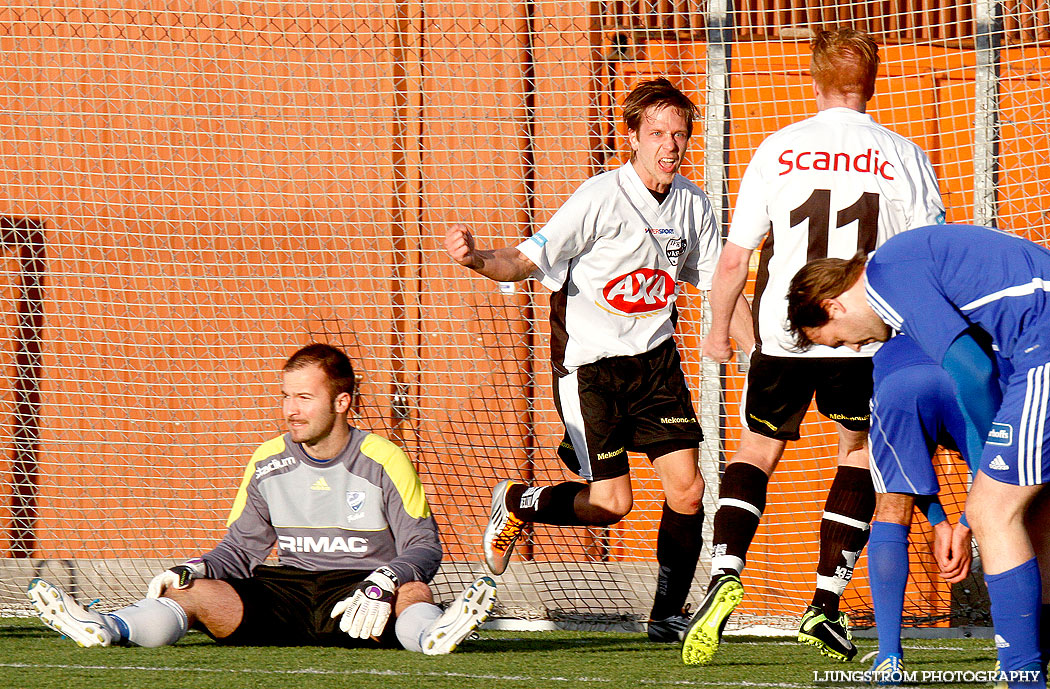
column 867, row 162
column 641, row 291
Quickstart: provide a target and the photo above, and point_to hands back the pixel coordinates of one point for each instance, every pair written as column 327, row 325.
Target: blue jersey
column 933, row 284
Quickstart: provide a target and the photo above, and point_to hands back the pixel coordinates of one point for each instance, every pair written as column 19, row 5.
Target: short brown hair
column 846, row 61
column 820, row 279
column 660, row 93
column 333, row 362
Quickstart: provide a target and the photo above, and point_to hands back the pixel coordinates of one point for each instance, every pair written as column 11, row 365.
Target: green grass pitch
column 32, row 656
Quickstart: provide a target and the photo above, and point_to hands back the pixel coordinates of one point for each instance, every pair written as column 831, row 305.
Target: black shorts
column 637, row 403
column 285, row 606
column 779, row 390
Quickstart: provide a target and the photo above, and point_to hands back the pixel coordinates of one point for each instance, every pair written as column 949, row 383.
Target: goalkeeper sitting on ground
column 355, row 538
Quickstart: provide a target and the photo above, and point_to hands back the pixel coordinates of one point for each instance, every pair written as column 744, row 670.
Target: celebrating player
column 356, row 545
column 937, row 286
column 827, row 186
column 615, row 256
column 913, row 410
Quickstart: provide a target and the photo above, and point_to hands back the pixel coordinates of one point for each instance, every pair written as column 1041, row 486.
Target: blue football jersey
column 933, row 283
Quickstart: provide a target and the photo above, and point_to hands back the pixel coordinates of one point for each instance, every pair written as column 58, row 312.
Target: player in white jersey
column 615, row 256
column 830, row 185
column 355, row 539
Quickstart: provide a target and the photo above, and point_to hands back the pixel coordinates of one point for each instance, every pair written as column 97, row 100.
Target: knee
column 686, row 499
column 759, row 451
column 894, row 508
column 412, row 592
column 615, row 505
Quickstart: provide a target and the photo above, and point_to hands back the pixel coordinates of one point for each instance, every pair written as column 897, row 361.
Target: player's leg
column 1013, row 468
column 888, row 576
column 1037, row 521
column 777, row 395
column 679, row 541
column 423, row 627
column 843, row 394
column 741, row 502
column 212, row 604
column 659, row 419
column 463, row 615
column 150, row 622
column 590, row 401
column 996, row 512
column 845, row 523
column 844, row 530
column 913, row 406
column 776, row 398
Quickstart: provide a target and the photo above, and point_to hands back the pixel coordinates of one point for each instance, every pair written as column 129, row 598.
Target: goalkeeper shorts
column 285, row 606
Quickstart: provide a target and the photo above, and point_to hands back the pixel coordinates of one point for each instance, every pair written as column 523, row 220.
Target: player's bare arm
column 726, row 291
column 503, row 265
column 741, row 325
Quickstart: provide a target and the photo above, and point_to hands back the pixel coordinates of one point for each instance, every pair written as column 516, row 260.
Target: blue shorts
column 913, row 410
column 1017, row 450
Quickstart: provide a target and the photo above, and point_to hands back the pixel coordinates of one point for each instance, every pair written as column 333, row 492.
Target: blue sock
column 888, row 576
column 1015, row 595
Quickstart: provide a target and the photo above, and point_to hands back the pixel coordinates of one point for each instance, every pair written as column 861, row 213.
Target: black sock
column 678, row 544
column 741, row 501
column 546, row 504
column 844, row 529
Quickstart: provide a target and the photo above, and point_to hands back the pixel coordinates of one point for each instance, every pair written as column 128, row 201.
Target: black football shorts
column 637, row 403
column 779, row 390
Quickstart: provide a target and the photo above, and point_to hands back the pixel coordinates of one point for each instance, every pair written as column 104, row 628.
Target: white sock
column 152, row 622
column 413, row 623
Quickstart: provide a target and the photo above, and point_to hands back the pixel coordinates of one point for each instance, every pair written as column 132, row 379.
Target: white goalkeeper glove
column 178, row 577
column 366, row 612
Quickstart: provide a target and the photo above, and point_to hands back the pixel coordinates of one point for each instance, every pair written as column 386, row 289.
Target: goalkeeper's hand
column 178, row 577
column 366, row 612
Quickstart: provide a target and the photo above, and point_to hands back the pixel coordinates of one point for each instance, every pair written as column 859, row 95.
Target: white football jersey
column 615, row 259
column 827, row 186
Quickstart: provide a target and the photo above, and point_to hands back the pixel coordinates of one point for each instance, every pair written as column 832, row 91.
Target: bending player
column 913, row 410
column 829, row 185
column 615, row 256
column 935, row 286
column 356, row 545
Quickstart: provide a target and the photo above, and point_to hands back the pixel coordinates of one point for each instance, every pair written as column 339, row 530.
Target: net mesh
column 193, row 189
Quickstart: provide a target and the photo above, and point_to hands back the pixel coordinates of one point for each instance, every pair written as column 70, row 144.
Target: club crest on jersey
column 355, row 500
column 641, row 291
column 674, row 248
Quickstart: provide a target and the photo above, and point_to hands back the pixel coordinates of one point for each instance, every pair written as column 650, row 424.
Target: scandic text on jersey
column 868, row 162
column 640, row 291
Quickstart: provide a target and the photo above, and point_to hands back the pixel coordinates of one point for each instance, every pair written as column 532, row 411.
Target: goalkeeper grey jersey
column 363, row 509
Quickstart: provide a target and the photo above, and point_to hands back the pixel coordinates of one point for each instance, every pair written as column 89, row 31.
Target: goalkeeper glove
column 178, row 577
column 366, row 612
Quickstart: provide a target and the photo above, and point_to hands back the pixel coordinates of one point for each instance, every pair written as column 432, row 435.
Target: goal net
column 192, row 190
